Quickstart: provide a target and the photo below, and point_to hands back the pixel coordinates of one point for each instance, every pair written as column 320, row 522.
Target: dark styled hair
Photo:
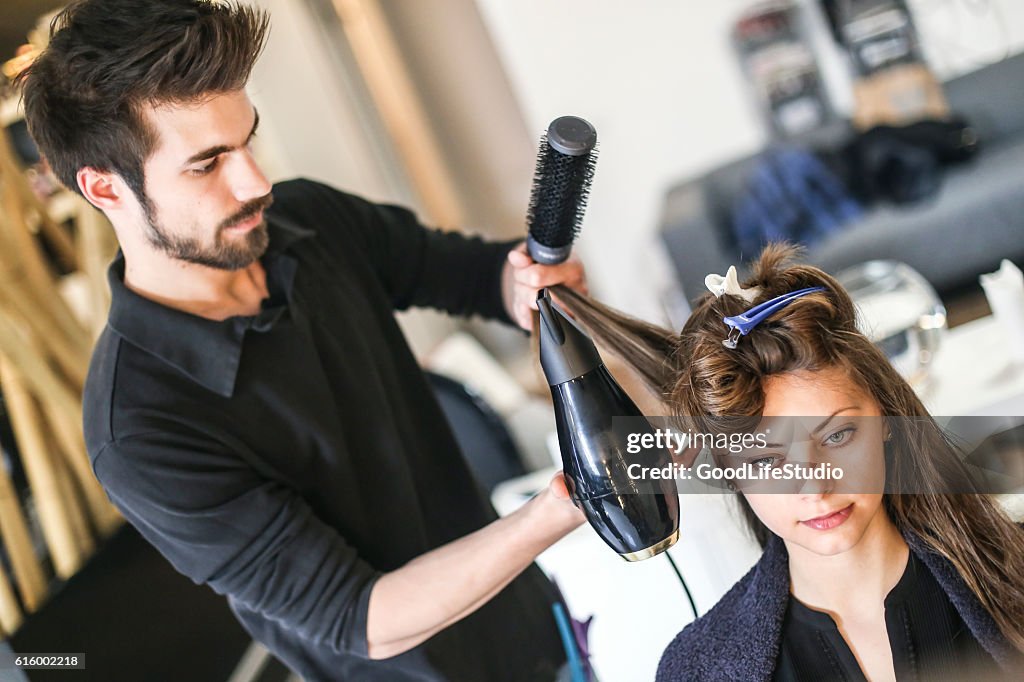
column 703, row 382
column 106, row 58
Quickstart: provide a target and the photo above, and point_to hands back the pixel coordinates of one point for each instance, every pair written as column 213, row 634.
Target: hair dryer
column 636, row 518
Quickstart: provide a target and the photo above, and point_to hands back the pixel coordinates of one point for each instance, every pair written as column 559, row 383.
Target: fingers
column 536, row 276
column 558, row 487
column 526, row 278
column 531, row 276
column 519, row 258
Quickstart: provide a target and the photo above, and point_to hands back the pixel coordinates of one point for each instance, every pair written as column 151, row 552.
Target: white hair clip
column 730, row 284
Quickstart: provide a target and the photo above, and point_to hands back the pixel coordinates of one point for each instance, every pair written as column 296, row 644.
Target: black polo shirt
column 288, row 458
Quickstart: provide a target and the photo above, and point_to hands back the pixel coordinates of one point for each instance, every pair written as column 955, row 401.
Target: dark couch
column 975, row 219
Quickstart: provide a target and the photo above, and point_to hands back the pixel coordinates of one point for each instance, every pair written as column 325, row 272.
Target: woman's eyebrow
column 832, row 416
column 768, row 446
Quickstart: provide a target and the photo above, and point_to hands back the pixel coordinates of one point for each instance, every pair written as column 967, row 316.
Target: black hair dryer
column 638, row 518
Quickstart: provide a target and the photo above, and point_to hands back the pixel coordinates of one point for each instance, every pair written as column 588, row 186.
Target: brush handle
column 547, row 255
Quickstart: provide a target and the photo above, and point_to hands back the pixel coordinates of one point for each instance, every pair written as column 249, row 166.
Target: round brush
column 561, row 183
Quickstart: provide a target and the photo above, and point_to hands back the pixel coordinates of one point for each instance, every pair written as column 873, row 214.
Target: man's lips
column 829, row 521
column 247, row 224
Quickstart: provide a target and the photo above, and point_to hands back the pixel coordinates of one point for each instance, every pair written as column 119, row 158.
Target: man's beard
column 222, row 254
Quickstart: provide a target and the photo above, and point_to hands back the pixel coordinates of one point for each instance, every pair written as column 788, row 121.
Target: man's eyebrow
column 222, row 148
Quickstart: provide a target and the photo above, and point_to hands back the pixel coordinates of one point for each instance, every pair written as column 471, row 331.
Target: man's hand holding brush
column 522, row 278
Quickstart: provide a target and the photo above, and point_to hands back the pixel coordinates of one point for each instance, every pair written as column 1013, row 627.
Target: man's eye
column 203, row 170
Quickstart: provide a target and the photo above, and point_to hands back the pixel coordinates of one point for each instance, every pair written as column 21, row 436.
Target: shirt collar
column 208, row 351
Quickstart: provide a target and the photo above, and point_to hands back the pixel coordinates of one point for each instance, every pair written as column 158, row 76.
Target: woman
column 854, row 582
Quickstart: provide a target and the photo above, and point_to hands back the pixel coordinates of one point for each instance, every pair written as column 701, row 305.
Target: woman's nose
column 809, row 458
column 814, row 489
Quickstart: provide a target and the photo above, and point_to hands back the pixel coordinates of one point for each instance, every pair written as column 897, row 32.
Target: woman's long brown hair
column 702, row 381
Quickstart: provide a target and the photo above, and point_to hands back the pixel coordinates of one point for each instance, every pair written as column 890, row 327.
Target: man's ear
column 103, row 189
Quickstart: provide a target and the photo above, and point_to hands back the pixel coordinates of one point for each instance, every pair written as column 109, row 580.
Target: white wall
column 657, row 80
column 317, row 121
column 962, row 35
column 466, row 95
column 660, row 82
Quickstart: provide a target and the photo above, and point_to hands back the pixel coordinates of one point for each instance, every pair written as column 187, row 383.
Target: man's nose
column 247, row 179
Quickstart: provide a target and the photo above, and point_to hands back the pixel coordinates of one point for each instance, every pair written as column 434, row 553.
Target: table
column 973, row 374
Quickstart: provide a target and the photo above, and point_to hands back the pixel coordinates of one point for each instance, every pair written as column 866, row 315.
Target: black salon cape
column 289, row 458
column 927, row 636
column 740, row 637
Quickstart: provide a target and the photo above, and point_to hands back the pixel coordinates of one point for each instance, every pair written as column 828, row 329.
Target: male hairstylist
column 252, row 407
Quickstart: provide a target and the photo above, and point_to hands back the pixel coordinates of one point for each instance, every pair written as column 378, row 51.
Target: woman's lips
column 829, row 521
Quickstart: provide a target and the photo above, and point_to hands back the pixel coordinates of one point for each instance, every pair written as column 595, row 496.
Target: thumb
column 558, row 486
column 519, row 258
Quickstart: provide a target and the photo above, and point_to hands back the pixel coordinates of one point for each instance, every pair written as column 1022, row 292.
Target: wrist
column 506, row 281
column 553, row 516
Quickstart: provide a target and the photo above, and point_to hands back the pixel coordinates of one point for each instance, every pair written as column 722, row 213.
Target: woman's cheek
column 775, row 511
column 862, row 470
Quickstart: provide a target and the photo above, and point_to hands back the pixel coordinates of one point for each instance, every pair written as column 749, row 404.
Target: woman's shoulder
column 739, row 637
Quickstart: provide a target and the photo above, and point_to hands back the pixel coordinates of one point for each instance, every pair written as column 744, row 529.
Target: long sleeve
column 417, row 266
column 218, row 522
column 288, row 459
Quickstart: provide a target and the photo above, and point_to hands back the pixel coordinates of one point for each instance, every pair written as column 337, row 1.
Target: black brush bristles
column 561, row 185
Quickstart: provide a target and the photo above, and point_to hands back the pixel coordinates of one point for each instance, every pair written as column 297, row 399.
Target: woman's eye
column 764, row 462
column 840, row 437
column 203, row 170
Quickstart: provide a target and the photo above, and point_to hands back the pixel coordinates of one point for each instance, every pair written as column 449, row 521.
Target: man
column 252, row 407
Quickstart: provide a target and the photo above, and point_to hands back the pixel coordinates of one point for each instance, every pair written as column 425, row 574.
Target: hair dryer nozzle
column 566, row 352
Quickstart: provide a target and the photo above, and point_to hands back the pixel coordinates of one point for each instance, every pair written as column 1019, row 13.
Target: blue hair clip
column 740, row 325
